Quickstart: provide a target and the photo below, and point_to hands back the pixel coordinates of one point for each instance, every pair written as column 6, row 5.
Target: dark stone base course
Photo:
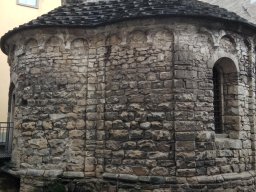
column 242, row 184
column 8, row 183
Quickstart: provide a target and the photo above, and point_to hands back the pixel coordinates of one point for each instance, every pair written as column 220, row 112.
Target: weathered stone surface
column 38, row 143
column 29, row 126
column 47, row 124
column 73, row 174
column 134, row 104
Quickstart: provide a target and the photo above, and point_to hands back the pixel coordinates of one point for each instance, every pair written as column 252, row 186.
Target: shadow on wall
column 9, row 183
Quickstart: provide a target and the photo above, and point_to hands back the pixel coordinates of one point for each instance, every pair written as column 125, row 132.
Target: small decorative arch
column 54, row 42
column 227, row 43
column 247, row 44
column 113, row 39
column 31, row 45
column 137, row 38
column 225, row 97
column 213, row 38
column 218, row 55
column 163, row 38
column 98, row 41
column 79, row 46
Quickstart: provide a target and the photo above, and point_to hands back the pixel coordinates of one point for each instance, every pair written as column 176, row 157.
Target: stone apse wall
column 132, row 104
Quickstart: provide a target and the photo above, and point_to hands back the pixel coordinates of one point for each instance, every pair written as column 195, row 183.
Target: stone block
column 205, row 136
column 135, row 154
column 29, row 126
column 157, row 180
column 145, row 125
column 69, row 174
column 35, row 172
column 38, row 143
column 226, row 143
column 156, row 116
column 146, row 145
column 225, row 153
column 76, row 134
column 53, row 173
column 213, row 170
column 185, row 136
column 55, row 117
column 185, row 146
column 247, row 144
column 110, row 176
column 111, row 116
column 129, row 145
column 234, row 121
column 165, row 75
column 158, row 155
column 160, row 171
column 127, row 177
column 160, row 135
column 185, row 126
column 140, row 171
column 182, row 74
column 185, row 164
column 90, row 164
column 119, row 135
column 186, row 155
column 136, row 134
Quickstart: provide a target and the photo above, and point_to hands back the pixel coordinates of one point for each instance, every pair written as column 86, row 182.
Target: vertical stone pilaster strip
column 252, row 104
column 95, row 134
column 100, row 131
column 90, row 140
column 184, row 106
column 175, row 45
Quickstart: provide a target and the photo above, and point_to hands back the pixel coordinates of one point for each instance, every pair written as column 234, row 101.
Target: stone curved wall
column 133, row 102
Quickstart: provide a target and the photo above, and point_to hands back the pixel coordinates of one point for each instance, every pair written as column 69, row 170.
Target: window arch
column 11, row 104
column 225, row 97
column 11, row 113
column 217, row 99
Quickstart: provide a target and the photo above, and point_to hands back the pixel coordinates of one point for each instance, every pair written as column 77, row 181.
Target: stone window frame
column 35, row 6
column 229, row 87
column 11, row 113
column 12, row 100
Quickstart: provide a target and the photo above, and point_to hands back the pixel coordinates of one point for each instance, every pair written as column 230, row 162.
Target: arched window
column 217, row 99
column 11, row 103
column 11, row 112
column 225, row 97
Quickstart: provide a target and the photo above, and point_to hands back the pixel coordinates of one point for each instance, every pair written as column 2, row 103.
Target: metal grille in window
column 217, row 102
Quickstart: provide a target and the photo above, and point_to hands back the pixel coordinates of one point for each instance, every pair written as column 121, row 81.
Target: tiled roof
column 244, row 8
column 93, row 14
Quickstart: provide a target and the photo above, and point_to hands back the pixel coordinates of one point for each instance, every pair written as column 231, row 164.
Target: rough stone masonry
column 119, row 96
